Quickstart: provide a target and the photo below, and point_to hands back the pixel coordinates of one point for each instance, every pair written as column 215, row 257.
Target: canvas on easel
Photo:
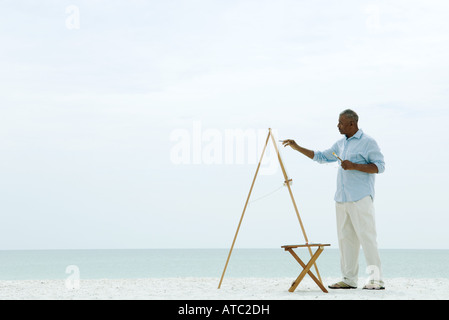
column 288, row 184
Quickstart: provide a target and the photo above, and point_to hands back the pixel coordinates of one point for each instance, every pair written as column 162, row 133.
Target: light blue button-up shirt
column 353, row 185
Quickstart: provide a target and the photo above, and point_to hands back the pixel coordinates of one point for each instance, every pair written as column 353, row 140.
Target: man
column 361, row 159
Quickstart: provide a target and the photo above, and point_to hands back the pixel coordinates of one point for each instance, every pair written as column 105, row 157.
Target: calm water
column 152, row 263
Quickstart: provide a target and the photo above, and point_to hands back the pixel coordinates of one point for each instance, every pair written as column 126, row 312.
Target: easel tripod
column 287, row 182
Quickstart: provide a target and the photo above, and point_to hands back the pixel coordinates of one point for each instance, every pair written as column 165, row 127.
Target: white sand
column 206, row 289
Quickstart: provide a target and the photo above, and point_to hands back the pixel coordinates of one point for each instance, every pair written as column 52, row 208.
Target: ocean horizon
column 205, row 263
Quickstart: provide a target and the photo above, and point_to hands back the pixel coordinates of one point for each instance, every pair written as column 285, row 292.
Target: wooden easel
column 287, row 182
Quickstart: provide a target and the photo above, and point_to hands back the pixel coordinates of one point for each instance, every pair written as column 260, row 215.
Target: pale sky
column 92, row 94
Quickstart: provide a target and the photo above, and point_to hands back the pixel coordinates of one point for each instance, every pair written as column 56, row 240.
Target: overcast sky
column 101, row 100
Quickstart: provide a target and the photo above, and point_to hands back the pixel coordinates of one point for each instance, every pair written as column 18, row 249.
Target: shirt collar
column 357, row 135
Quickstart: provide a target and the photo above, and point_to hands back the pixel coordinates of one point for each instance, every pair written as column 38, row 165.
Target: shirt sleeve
column 326, row 156
column 375, row 156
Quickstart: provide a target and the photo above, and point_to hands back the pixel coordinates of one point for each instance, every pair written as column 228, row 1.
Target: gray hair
column 350, row 115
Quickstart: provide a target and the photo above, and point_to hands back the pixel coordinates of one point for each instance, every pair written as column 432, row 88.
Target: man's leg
column 349, row 245
column 363, row 220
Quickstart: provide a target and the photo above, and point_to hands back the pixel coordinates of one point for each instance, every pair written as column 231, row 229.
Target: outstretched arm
column 295, row 146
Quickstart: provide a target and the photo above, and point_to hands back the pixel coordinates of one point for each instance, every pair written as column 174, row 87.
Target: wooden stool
column 306, row 267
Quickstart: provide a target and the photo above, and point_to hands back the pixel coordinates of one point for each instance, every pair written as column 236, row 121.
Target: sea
column 205, row 263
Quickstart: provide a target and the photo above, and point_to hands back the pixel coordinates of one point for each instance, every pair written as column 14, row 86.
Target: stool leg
column 306, row 270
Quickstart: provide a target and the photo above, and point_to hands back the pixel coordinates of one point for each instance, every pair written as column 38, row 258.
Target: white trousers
column 356, row 226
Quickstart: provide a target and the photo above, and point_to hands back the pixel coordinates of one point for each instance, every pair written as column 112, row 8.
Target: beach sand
column 206, row 289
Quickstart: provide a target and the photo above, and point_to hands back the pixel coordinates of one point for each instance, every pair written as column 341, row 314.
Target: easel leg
column 244, row 209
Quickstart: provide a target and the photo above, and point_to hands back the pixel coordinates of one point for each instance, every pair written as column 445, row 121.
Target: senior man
column 361, row 159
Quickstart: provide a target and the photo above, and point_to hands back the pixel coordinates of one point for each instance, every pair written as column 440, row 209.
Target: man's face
column 344, row 125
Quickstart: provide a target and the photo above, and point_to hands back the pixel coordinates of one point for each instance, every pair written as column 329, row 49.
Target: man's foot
column 341, row 285
column 374, row 285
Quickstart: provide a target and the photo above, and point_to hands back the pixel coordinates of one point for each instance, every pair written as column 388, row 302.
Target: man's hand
column 290, row 143
column 348, row 165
